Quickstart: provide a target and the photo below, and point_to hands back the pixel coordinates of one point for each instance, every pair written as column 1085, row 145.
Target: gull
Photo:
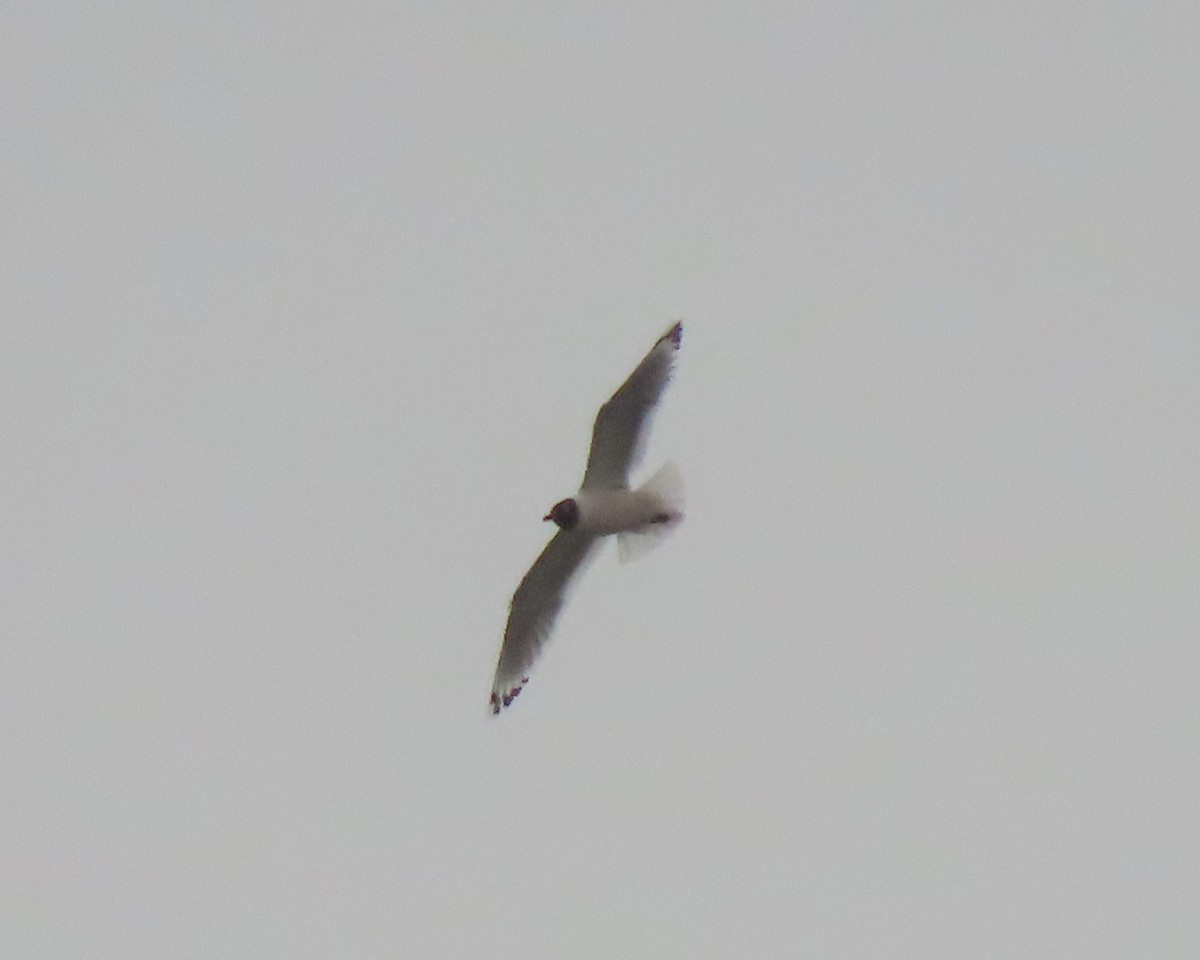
column 604, row 505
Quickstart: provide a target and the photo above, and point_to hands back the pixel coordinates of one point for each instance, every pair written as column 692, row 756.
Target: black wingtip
column 498, row 702
column 675, row 334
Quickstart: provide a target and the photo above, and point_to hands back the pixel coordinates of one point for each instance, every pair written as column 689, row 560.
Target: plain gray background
column 305, row 313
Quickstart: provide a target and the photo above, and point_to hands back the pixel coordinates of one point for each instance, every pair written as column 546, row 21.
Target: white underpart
column 617, row 511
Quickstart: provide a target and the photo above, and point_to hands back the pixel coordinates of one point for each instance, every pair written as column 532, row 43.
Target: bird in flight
column 604, row 505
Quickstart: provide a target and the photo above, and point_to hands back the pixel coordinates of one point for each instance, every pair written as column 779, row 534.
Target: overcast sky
column 305, row 313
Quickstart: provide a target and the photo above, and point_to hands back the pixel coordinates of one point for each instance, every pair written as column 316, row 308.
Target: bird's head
column 565, row 513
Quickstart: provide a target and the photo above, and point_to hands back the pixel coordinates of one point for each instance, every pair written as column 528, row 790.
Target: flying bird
column 604, row 505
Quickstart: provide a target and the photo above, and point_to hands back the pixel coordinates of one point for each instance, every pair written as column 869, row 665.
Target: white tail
column 666, row 485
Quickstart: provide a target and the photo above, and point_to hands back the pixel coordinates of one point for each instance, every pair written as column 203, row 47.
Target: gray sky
column 305, row 314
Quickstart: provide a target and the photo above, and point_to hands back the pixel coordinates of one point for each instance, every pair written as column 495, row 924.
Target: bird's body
column 602, row 512
column 605, row 505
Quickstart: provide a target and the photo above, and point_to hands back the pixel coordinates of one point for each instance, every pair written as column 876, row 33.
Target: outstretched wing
column 622, row 422
column 534, row 606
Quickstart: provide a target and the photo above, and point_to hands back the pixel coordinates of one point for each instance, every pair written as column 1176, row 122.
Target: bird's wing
column 621, row 423
column 534, row 606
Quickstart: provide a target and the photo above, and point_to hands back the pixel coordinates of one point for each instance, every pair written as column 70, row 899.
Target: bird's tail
column 666, row 486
